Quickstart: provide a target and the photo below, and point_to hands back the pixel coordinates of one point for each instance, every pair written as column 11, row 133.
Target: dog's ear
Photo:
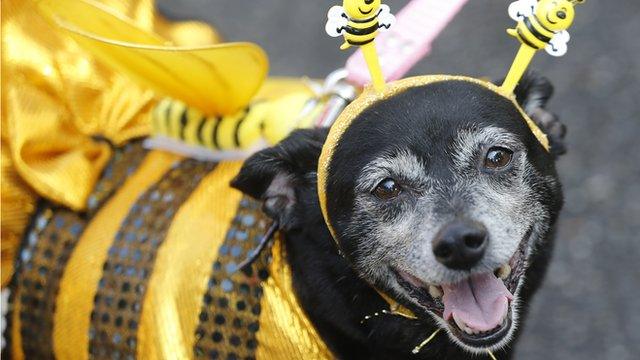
column 281, row 175
column 532, row 93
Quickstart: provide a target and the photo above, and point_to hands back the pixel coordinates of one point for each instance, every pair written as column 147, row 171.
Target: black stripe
column 236, row 132
column 118, row 303
column 364, row 31
column 167, row 118
column 353, row 42
column 183, row 122
column 525, row 40
column 199, row 137
column 535, row 31
column 231, row 304
column 214, row 134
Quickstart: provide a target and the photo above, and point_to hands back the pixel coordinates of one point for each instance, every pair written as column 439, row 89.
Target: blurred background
column 589, row 307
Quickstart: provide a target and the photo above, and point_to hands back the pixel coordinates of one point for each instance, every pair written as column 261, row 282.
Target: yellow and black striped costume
column 150, row 271
column 111, row 250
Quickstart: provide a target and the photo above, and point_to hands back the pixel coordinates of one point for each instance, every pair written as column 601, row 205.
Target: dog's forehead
column 427, row 120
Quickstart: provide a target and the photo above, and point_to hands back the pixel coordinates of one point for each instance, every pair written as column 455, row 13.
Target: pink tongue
column 480, row 302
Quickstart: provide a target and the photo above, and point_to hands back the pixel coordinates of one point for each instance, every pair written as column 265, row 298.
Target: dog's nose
column 460, row 244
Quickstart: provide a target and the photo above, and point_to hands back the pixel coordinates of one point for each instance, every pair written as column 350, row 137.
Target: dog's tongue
column 480, row 302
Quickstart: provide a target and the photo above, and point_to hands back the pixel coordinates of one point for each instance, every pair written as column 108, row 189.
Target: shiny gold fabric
column 179, row 279
column 55, row 97
column 285, row 331
column 182, row 267
column 84, row 269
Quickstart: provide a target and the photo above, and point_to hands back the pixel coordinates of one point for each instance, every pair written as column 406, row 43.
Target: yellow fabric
column 17, row 205
column 183, row 266
column 285, row 331
column 55, row 96
column 217, row 79
column 84, row 268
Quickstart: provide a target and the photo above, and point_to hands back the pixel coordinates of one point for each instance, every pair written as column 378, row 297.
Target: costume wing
column 216, row 79
column 385, row 18
column 518, row 10
column 336, row 20
column 559, row 44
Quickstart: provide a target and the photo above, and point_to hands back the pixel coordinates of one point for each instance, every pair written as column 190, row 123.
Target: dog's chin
column 428, row 298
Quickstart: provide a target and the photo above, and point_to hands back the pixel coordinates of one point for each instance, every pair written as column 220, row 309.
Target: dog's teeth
column 435, row 291
column 504, row 271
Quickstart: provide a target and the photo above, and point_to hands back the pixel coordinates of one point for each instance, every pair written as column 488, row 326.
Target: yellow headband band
column 371, row 96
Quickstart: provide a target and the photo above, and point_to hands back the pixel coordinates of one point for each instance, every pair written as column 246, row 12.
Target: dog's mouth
column 476, row 310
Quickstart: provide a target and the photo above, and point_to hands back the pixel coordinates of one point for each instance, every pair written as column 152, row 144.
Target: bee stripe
column 183, row 122
column 207, row 131
column 199, row 137
column 214, row 134
column 236, row 131
column 353, row 42
column 167, row 119
column 535, row 32
column 524, row 39
column 364, row 31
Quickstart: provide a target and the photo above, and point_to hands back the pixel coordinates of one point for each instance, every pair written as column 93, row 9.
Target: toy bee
column 541, row 25
column 358, row 21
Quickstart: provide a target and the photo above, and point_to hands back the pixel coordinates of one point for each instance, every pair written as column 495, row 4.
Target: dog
column 444, row 200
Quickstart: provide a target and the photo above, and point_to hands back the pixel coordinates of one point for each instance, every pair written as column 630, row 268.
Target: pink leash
column 417, row 25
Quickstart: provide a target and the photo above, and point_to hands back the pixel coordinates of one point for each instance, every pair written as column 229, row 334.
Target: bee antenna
column 575, row 2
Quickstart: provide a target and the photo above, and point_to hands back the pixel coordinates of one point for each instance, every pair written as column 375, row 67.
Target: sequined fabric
column 118, row 303
column 231, row 306
column 53, row 235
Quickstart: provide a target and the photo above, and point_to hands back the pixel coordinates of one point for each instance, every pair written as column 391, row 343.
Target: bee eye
column 561, row 14
column 497, row 158
column 387, row 189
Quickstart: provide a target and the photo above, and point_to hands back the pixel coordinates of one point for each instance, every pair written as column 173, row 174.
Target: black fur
column 330, row 291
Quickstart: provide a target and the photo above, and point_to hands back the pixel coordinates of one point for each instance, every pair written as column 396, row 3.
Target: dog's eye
column 497, row 158
column 387, row 189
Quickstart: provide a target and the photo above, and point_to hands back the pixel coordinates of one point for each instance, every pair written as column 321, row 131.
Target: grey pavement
column 589, row 307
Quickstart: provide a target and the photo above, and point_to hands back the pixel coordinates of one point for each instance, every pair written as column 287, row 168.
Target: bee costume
column 114, row 247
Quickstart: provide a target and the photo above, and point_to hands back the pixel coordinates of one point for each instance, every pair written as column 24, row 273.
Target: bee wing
column 558, row 44
column 336, row 20
column 518, row 10
column 385, row 17
column 215, row 79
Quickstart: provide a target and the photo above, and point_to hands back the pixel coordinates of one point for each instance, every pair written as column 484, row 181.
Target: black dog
column 445, row 201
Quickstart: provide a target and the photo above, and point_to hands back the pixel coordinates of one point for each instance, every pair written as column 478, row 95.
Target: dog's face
column 439, row 197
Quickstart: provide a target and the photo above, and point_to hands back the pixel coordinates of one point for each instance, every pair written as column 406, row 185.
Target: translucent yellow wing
column 216, row 79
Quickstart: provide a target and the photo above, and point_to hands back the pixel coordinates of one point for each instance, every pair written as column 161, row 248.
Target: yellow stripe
column 80, row 279
column 191, row 129
column 16, row 336
column 183, row 266
column 207, row 132
column 226, row 130
column 174, row 124
column 159, row 117
column 249, row 131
